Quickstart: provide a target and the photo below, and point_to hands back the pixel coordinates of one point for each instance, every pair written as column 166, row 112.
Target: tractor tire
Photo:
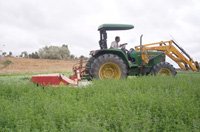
column 88, row 68
column 109, row 66
column 197, row 65
column 163, row 69
column 88, row 65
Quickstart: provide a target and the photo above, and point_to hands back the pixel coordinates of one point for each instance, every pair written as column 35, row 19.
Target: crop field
column 142, row 103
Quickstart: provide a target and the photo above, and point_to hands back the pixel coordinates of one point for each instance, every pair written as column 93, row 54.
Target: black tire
column 164, row 68
column 109, row 66
column 197, row 65
column 88, row 65
column 88, row 68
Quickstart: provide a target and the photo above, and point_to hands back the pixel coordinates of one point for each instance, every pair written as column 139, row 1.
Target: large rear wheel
column 88, row 69
column 108, row 66
column 164, row 69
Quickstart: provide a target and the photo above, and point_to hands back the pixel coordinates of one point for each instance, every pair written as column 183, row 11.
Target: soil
column 27, row 65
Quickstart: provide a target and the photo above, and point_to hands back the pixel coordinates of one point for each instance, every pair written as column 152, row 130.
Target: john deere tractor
column 144, row 59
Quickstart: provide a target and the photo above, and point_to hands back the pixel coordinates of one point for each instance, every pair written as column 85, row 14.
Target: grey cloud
column 30, row 25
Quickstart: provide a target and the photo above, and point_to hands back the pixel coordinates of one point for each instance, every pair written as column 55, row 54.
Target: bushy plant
column 145, row 103
column 6, row 63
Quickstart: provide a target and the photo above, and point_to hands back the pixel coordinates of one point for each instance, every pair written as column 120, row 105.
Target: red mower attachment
column 59, row 79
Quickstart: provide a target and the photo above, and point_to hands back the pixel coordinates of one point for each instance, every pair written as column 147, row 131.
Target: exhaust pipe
column 141, row 43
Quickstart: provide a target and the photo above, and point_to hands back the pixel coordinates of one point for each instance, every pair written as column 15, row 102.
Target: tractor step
column 53, row 79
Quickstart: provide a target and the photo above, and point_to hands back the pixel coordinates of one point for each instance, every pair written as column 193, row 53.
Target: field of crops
column 144, row 103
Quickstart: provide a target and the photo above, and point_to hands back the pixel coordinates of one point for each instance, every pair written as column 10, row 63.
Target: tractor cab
column 113, row 27
column 110, row 27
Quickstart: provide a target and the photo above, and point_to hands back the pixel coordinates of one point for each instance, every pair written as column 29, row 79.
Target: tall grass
column 145, row 103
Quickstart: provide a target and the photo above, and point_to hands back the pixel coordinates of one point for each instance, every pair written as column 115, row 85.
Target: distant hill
column 25, row 65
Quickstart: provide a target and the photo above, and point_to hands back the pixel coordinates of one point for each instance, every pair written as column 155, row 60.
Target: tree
column 4, row 53
column 72, row 56
column 34, row 55
column 10, row 53
column 24, row 54
column 54, row 52
column 83, row 57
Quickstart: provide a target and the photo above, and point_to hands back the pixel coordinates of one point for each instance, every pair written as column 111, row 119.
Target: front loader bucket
column 53, row 79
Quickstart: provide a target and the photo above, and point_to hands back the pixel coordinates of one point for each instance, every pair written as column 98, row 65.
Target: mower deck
column 53, row 79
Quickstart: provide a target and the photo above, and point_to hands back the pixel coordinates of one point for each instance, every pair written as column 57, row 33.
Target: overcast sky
column 27, row 25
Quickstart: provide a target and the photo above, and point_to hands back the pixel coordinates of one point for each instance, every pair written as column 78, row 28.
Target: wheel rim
column 109, row 70
column 164, row 72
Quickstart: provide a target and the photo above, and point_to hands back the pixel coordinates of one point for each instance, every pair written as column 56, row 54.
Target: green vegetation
column 6, row 63
column 144, row 103
column 54, row 52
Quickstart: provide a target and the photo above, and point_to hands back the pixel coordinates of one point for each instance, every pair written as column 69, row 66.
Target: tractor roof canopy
column 115, row 27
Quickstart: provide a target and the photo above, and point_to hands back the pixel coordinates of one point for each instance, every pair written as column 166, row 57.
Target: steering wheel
column 123, row 47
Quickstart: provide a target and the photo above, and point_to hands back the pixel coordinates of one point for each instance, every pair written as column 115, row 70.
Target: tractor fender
column 117, row 52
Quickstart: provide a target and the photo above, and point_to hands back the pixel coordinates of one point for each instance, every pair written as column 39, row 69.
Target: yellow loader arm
column 168, row 48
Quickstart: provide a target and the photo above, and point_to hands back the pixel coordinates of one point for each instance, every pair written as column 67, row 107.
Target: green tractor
column 120, row 63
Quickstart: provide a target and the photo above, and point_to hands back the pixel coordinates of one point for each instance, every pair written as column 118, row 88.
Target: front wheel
column 197, row 65
column 164, row 69
column 108, row 66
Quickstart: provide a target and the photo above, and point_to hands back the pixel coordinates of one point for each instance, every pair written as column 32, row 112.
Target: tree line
column 49, row 52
